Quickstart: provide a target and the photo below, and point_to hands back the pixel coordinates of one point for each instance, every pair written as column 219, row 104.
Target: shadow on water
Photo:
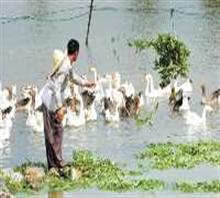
column 55, row 195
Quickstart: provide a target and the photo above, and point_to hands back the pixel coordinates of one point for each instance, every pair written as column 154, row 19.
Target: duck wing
column 22, row 102
column 6, row 111
column 216, row 93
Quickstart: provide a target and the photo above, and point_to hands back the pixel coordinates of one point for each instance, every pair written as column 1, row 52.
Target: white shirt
column 52, row 93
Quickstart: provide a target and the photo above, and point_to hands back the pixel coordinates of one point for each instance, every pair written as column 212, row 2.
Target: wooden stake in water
column 172, row 10
column 90, row 16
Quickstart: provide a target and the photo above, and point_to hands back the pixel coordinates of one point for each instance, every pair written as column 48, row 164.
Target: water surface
column 31, row 30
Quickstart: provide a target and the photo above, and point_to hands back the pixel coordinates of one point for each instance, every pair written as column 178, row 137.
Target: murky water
column 30, row 30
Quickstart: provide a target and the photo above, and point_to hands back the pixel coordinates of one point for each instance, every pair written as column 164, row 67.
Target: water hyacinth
column 171, row 155
column 207, row 186
column 84, row 171
column 87, row 171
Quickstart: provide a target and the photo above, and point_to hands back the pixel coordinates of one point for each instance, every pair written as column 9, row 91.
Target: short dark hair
column 72, row 46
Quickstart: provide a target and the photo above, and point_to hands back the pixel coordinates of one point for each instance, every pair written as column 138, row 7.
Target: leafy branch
column 172, row 56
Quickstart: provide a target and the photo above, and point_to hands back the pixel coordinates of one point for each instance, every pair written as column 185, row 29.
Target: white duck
column 28, row 100
column 13, row 101
column 5, row 126
column 76, row 119
column 89, row 105
column 115, row 95
column 112, row 101
column 34, row 117
column 8, row 99
column 35, row 120
column 185, row 105
column 128, row 89
column 141, row 99
column 116, row 80
column 111, row 111
column 90, row 113
column 7, row 108
column 213, row 100
column 186, row 86
column 112, row 116
column 98, row 89
column 150, row 91
column 194, row 119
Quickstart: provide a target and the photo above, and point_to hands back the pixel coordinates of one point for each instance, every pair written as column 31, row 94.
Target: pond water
column 31, row 30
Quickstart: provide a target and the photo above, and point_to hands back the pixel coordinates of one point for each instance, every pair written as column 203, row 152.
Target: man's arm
column 76, row 79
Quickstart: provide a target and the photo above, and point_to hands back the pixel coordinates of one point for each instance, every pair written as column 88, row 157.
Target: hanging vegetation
column 172, row 56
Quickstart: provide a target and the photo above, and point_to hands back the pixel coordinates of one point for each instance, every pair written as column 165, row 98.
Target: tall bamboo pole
column 88, row 27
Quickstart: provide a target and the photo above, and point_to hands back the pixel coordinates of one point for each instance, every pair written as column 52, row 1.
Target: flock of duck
column 110, row 99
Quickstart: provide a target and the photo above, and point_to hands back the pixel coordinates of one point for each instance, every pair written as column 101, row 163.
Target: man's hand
column 60, row 114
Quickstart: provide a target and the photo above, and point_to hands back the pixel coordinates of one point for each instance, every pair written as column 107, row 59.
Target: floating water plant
column 171, row 155
column 172, row 56
column 95, row 172
column 207, row 186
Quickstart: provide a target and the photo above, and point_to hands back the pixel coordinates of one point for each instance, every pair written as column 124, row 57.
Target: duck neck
column 76, row 90
column 175, row 84
column 81, row 106
column 203, row 91
column 95, row 76
column 1, row 117
column 30, row 111
column 185, row 103
column 151, row 83
column 117, row 81
column 110, row 85
column 147, row 89
column 204, row 114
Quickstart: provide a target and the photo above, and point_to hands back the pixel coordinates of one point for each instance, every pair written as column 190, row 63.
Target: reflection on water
column 30, row 30
column 55, row 195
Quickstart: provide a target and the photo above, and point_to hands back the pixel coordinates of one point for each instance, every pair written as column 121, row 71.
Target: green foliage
column 96, row 173
column 139, row 44
column 22, row 168
column 15, row 186
column 213, row 186
column 60, row 184
column 169, row 155
column 172, row 56
column 105, row 175
column 150, row 184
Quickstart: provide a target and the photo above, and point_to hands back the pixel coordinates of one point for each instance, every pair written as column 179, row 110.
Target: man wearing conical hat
column 52, row 101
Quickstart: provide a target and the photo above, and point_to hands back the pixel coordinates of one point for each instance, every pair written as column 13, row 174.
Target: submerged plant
column 172, row 56
column 170, row 155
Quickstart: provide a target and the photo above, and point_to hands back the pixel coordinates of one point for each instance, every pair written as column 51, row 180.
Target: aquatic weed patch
column 171, row 155
column 11, row 185
column 212, row 186
column 107, row 175
column 95, row 172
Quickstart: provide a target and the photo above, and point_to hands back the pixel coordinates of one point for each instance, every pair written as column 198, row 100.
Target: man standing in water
column 52, row 103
